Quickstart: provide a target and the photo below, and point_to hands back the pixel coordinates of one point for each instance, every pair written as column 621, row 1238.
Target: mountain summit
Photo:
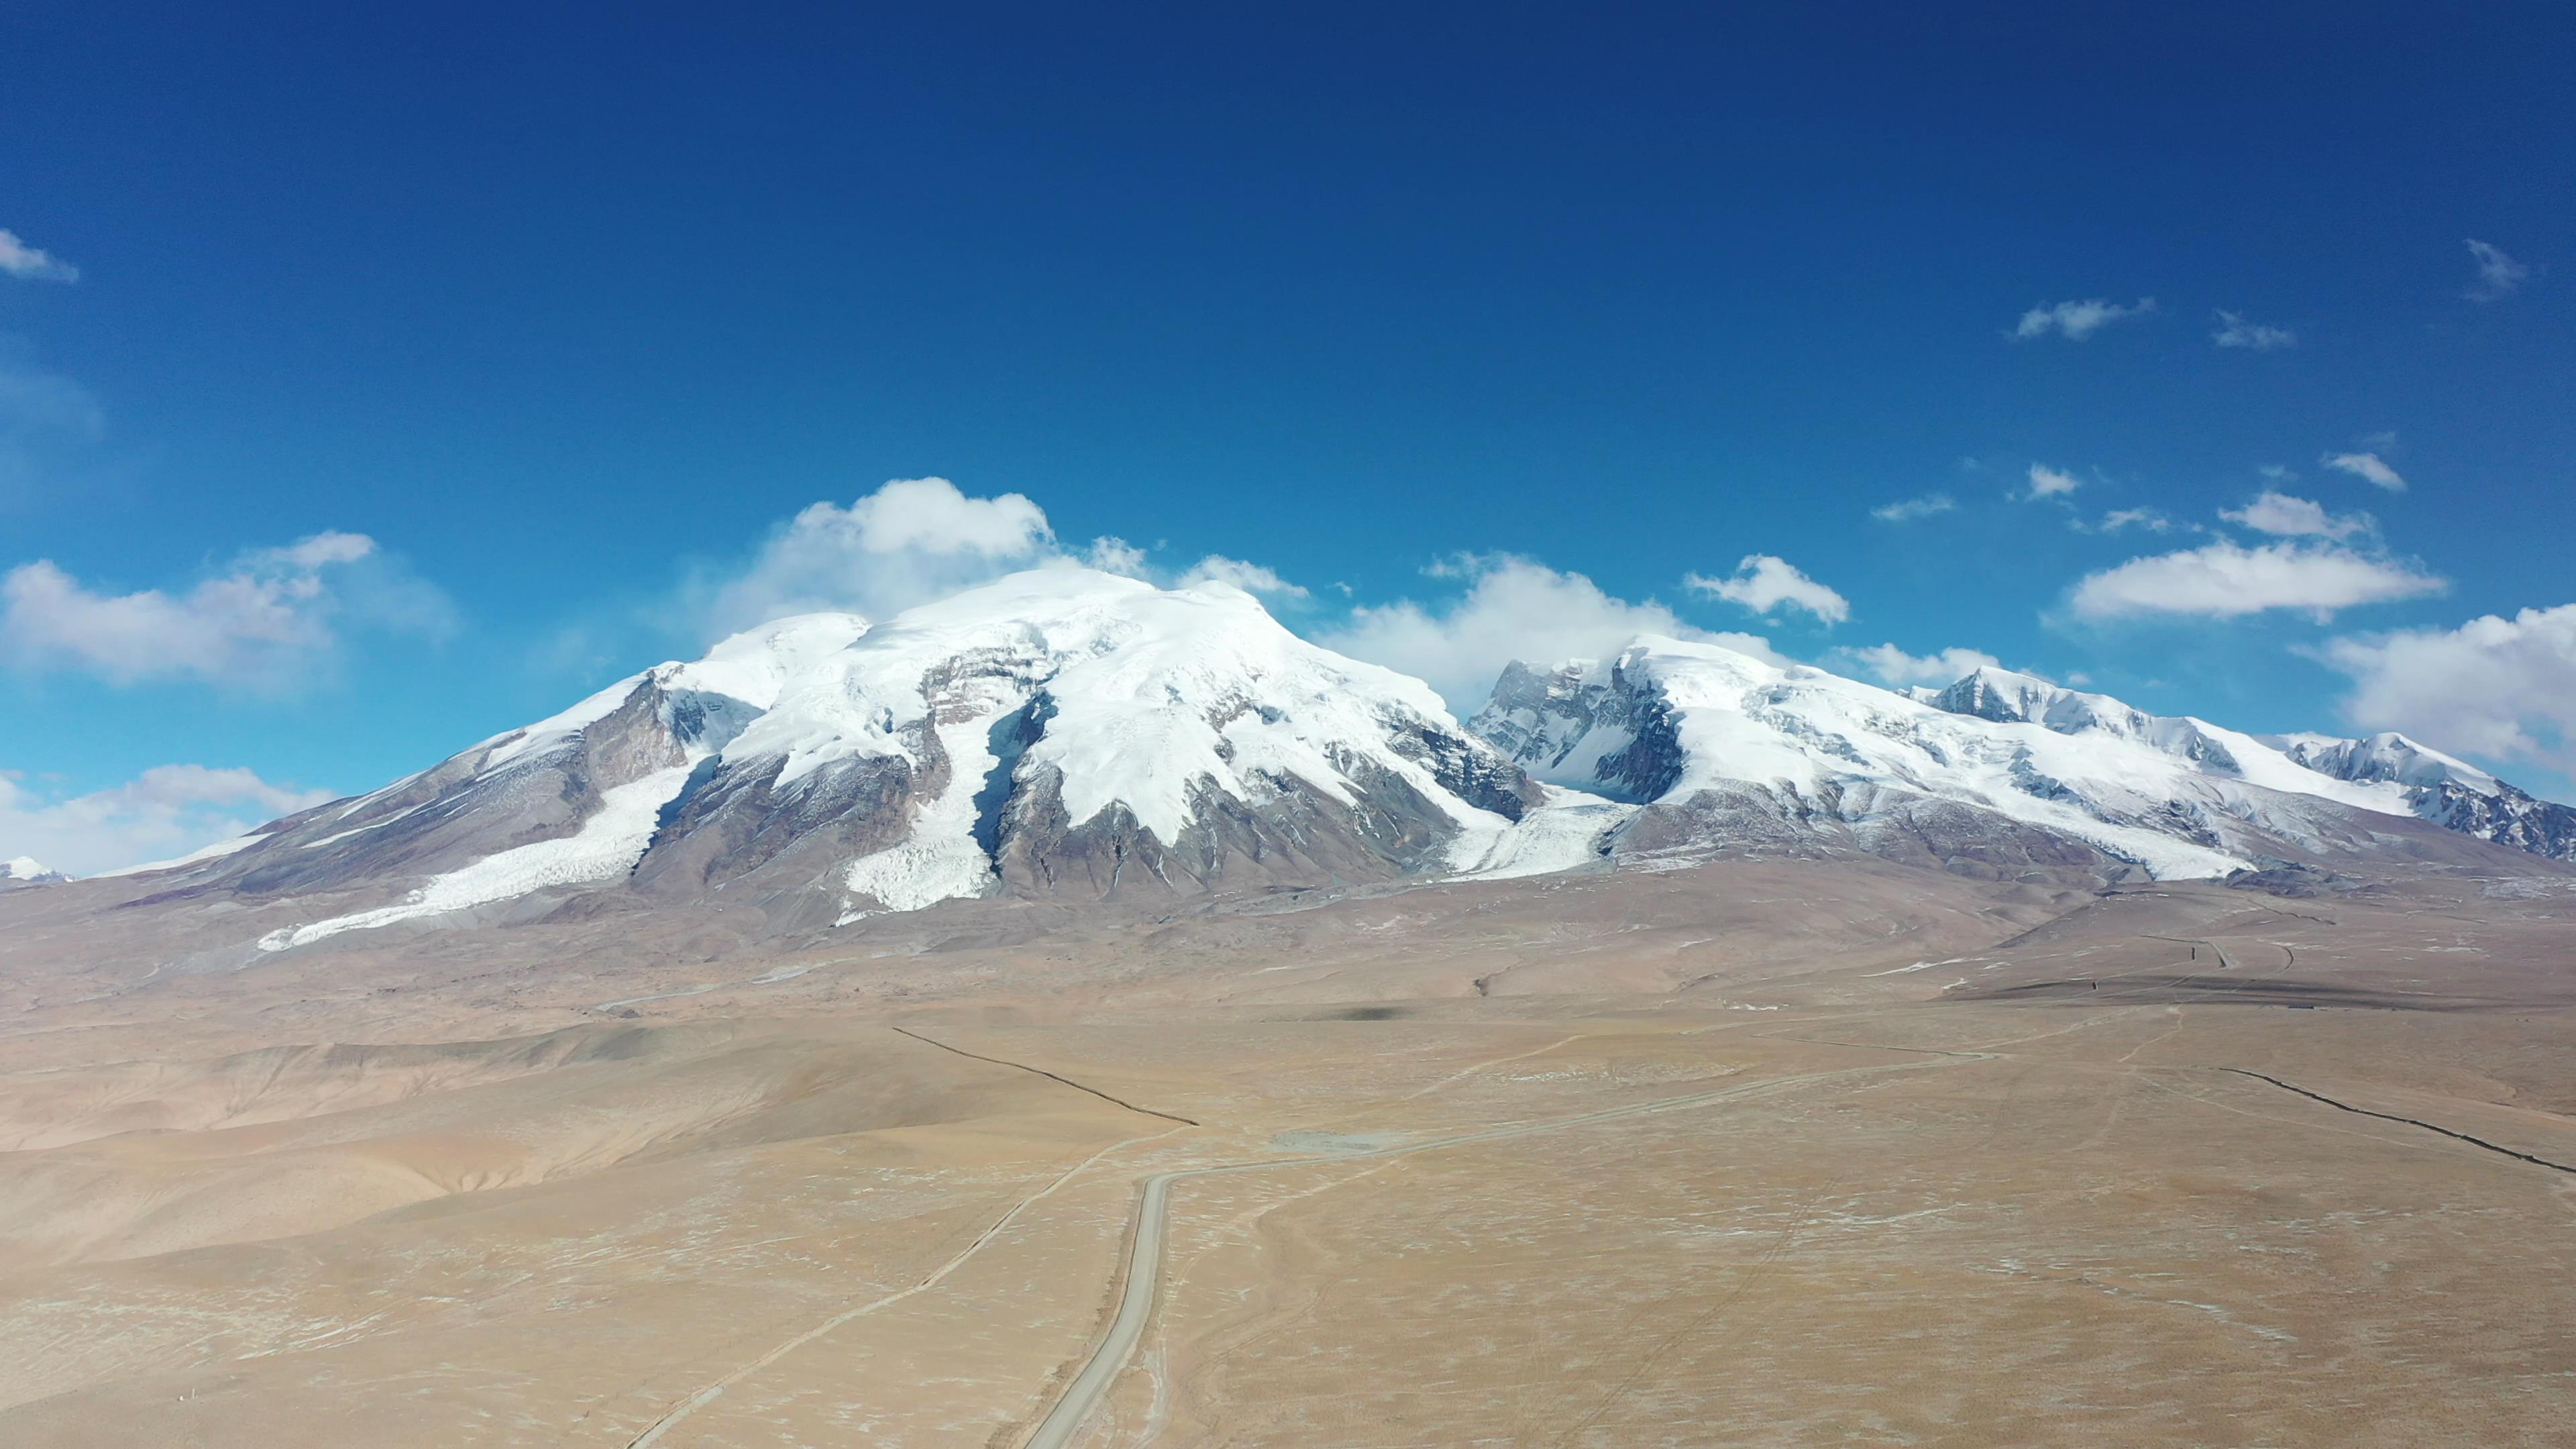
column 1070, row 735
column 1059, row 733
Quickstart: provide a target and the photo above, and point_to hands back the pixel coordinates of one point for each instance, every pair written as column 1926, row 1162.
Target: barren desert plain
column 1795, row 1152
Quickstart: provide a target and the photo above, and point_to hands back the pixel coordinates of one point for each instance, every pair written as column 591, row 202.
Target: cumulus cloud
column 2284, row 516
column 1893, row 666
column 911, row 541
column 2047, row 482
column 2504, row 688
column 2369, row 467
column 167, row 811
column 2225, row 580
column 1513, row 608
column 268, row 622
column 2498, row 275
column 1909, row 509
column 1252, row 578
column 2235, row 331
column 32, row 264
column 2076, row 321
column 1764, row 582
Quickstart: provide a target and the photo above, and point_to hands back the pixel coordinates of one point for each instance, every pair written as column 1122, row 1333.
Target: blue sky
column 421, row 373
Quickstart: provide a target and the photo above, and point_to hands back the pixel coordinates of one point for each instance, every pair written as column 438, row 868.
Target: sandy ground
column 1761, row 1153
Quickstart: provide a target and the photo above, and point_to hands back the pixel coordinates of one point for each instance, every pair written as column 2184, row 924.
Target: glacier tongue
column 607, row 846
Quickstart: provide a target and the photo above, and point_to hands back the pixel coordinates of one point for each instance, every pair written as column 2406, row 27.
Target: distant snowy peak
column 1731, row 752
column 27, row 871
column 2421, row 781
column 1727, row 751
column 2451, row 793
column 2388, row 756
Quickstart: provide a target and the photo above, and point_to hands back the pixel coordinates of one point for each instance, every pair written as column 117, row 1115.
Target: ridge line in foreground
column 1043, row 1072
column 2409, row 1121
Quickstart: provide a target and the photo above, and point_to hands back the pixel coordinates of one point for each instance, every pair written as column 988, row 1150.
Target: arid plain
column 1750, row 1152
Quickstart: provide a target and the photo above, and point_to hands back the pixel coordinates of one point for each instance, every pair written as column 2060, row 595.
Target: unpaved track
column 671, row 1418
column 1146, row 1233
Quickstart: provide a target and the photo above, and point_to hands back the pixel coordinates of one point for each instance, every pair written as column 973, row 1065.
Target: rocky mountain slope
column 1999, row 772
column 1058, row 733
column 1072, row 736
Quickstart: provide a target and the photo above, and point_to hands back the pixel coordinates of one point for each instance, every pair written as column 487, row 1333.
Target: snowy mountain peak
column 27, row 870
column 1059, row 731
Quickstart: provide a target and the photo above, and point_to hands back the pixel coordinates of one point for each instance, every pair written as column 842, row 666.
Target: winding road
column 1146, row 1234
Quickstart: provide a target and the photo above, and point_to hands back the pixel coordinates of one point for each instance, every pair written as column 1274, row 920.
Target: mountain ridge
column 1065, row 734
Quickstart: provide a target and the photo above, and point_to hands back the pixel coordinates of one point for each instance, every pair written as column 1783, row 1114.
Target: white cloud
column 267, row 623
column 2151, row 519
column 30, row 264
column 1764, row 582
column 2283, row 516
column 2498, row 275
column 2076, row 321
column 1514, row 608
column 2235, row 331
column 2277, row 473
column 911, row 541
column 2047, row 482
column 1252, row 578
column 2369, row 467
column 1113, row 555
column 1893, row 666
column 2504, row 688
column 2225, row 580
column 167, row 811
column 1908, row 509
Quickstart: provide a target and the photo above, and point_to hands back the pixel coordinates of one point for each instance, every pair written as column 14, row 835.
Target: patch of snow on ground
column 607, row 845
column 211, row 852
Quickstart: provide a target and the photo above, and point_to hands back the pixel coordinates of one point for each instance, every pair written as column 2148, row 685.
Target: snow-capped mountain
column 2451, row 793
column 27, row 871
column 1073, row 735
column 2000, row 773
column 1058, row 733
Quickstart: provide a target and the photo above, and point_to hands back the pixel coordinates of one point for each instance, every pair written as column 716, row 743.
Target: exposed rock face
column 1999, row 773
column 1062, row 733
column 1070, row 736
column 2450, row 793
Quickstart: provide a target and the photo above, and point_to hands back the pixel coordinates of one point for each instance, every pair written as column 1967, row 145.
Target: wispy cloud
column 2151, row 520
column 1893, row 666
column 32, row 264
column 2369, row 467
column 1513, row 609
column 1252, row 578
column 2047, row 482
column 2076, row 321
column 167, row 811
column 2284, row 516
column 2499, row 275
column 1907, row 510
column 266, row 624
column 2235, row 331
column 1764, row 582
column 2225, row 580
